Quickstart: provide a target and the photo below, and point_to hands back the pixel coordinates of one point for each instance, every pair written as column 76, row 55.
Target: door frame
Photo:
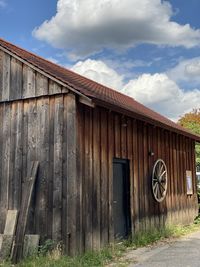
column 126, row 164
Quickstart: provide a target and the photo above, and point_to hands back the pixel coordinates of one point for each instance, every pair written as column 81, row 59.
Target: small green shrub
column 48, row 246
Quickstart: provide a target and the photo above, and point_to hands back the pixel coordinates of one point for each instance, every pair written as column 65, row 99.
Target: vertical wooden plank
column 57, row 172
column 180, row 177
column 164, row 156
column 175, row 178
column 168, row 196
column 146, row 179
column 51, row 169
column 30, row 145
column 41, row 87
column 156, row 156
column 42, row 154
column 32, row 132
column 1, row 165
column 80, row 167
column 150, row 168
column 5, row 77
column 136, row 176
column 28, row 82
column 104, row 179
column 88, row 179
column 110, row 173
column 117, row 136
column 91, row 171
column 54, row 88
column 18, row 156
column 15, row 79
column 123, row 128
column 15, row 168
column 13, row 122
column 71, row 174
column 171, row 174
column 5, row 162
column 161, row 155
column 25, row 139
column 131, row 168
column 96, row 181
column 1, row 73
column 141, row 174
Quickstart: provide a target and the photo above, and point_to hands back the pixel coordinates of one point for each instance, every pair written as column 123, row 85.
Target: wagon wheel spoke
column 160, row 169
column 161, row 186
column 161, row 194
column 163, row 173
column 156, row 190
column 159, row 180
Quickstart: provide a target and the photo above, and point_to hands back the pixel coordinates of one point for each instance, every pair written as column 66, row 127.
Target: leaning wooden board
column 17, row 252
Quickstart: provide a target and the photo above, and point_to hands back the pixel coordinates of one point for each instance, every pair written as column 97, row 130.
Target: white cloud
column 156, row 91
column 163, row 95
column 186, row 71
column 85, row 27
column 98, row 71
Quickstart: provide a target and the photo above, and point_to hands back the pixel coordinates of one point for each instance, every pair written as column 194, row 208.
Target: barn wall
column 39, row 129
column 104, row 135
column 73, row 195
column 19, row 81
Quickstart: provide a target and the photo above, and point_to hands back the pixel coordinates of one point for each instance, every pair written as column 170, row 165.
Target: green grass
column 142, row 239
column 111, row 253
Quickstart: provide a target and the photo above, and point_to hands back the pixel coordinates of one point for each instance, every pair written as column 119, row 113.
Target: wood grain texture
column 17, row 251
column 5, row 60
column 71, row 175
column 15, row 79
column 20, row 81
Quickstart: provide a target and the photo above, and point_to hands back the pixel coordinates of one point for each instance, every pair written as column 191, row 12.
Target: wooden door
column 121, row 198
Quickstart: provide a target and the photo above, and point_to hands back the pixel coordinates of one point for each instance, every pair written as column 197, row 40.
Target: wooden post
column 72, row 200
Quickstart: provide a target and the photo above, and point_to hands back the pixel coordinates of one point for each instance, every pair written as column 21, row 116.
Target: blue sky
column 148, row 49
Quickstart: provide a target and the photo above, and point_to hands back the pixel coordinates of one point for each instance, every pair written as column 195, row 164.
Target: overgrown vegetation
column 191, row 121
column 51, row 256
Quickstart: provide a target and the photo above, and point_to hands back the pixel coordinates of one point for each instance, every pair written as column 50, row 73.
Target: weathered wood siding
column 104, row 135
column 75, row 146
column 38, row 129
column 19, row 81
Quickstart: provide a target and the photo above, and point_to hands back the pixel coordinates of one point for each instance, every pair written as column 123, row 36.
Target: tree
column 191, row 121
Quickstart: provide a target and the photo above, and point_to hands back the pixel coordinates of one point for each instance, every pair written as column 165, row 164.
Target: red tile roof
column 98, row 93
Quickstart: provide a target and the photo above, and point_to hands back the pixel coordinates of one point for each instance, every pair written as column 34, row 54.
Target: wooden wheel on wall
column 159, row 180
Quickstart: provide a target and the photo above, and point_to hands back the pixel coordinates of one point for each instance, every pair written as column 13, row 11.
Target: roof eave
column 144, row 118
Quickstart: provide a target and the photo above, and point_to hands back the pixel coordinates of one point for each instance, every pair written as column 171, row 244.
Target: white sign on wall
column 189, row 182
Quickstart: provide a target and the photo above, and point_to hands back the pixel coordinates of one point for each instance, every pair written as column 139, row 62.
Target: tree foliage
column 191, row 121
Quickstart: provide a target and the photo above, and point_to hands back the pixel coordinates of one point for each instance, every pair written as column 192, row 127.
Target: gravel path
column 184, row 252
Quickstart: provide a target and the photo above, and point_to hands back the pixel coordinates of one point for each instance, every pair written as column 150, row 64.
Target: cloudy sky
column 148, row 49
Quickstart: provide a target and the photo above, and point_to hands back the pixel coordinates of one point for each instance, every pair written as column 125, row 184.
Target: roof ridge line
column 62, row 67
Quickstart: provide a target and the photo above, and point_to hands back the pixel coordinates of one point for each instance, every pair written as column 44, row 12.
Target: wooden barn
column 108, row 166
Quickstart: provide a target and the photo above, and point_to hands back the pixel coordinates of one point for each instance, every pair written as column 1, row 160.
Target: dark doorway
column 121, row 198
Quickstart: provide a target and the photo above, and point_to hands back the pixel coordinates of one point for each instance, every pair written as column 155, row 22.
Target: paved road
column 182, row 253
